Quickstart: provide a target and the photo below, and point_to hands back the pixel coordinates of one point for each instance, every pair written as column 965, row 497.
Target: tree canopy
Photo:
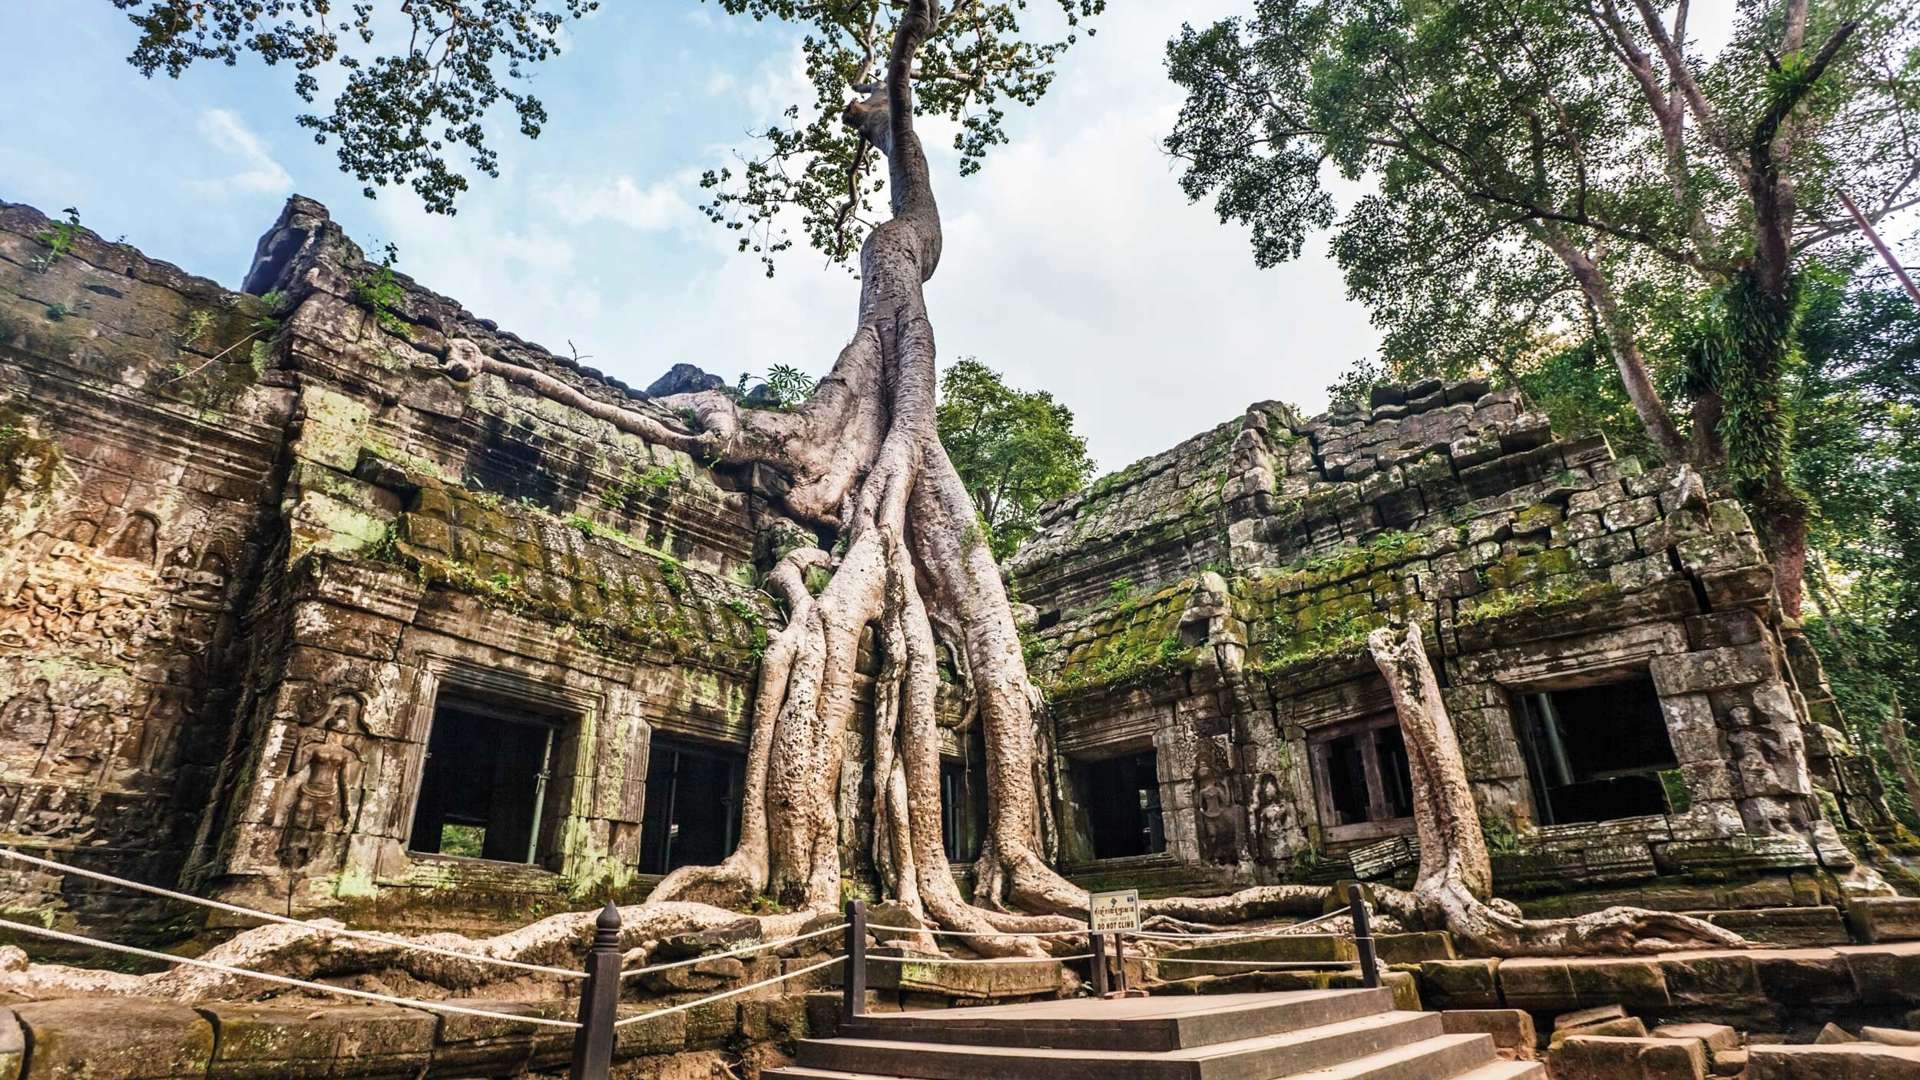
column 1548, row 172
column 1015, row 449
column 422, row 77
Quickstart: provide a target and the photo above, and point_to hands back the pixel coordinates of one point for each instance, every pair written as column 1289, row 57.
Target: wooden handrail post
column 1099, row 964
column 1363, row 937
column 599, row 1000
column 853, row 982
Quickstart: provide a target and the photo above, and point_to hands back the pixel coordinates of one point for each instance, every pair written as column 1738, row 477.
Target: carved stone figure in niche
column 83, row 742
column 77, row 537
column 1219, row 821
column 28, row 716
column 136, row 540
column 209, row 578
column 176, row 568
column 53, row 813
column 1276, row 823
column 160, row 728
column 318, row 797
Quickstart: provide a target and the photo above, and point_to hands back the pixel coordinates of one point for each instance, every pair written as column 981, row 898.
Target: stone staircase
column 1317, row 1034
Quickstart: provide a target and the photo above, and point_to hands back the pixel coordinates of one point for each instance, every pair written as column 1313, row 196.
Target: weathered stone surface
column 1884, row 918
column 258, row 1042
column 1715, row 1036
column 1460, row 984
column 114, row 1039
column 1512, row 1029
column 1854, row 1061
column 1598, row 1057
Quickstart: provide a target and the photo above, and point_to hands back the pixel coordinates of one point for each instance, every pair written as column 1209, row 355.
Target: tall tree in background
column 1572, row 165
column 1015, row 449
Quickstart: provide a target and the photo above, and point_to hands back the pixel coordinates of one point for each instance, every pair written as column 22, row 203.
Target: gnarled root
column 1455, row 879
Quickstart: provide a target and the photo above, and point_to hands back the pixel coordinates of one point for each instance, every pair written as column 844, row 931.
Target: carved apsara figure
column 318, row 797
column 28, row 716
column 1275, row 823
column 82, row 741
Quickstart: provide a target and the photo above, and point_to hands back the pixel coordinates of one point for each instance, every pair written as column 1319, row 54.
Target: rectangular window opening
column 485, row 789
column 1596, row 752
column 1121, row 797
column 1363, row 782
column 693, row 806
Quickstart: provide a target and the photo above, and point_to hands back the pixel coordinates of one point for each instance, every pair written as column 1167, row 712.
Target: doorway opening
column 693, row 806
column 1595, row 753
column 1121, row 797
column 963, row 800
column 485, row 790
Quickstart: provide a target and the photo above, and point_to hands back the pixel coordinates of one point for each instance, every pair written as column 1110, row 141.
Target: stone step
column 1137, row 1024
column 1507, row 1070
column 1493, row 1070
column 1261, row 1057
column 1442, row 1057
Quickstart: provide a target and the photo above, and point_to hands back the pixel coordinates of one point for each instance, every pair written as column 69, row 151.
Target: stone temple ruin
column 289, row 618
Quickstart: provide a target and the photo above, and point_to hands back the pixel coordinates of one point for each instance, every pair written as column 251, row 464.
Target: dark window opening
column 963, row 802
column 1122, row 799
column 1363, row 781
column 485, row 789
column 1596, row 753
column 693, row 806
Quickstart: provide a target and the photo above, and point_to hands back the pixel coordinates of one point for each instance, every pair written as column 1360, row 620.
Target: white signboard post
column 1111, row 911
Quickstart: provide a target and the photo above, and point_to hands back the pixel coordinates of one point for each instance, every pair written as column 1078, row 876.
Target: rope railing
column 670, row 1010
column 282, row 980
column 286, row 920
column 921, row 958
column 744, row 950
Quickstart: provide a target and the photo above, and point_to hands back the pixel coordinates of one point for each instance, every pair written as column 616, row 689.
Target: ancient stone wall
column 253, row 539
column 140, row 441
column 1535, row 566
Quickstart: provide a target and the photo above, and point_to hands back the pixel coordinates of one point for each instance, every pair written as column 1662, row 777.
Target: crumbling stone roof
column 1443, row 503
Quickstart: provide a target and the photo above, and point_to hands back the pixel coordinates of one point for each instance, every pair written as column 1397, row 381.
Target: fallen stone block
column 1512, row 1029
column 1875, row 919
column 1890, row 1036
column 13, row 1046
column 1727, row 1062
column 1852, row 1061
column 1586, row 1017
column 1834, row 1035
column 1715, row 1036
column 1460, row 984
column 115, row 1039
column 1631, row 1027
column 1600, row 1057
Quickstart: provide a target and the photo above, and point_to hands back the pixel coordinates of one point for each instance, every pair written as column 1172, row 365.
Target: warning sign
column 1111, row 911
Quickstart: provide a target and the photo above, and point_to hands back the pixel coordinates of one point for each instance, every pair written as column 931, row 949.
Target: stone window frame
column 1317, row 739
column 1133, row 743
column 580, row 712
column 1519, row 713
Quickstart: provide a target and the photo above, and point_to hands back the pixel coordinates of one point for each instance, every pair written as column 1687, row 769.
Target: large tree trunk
column 1454, row 885
column 866, row 462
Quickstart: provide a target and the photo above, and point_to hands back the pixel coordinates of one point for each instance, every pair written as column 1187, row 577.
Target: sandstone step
column 1261, row 1057
column 1138, row 1024
column 1424, row 1062
column 1442, row 1057
column 1507, row 1070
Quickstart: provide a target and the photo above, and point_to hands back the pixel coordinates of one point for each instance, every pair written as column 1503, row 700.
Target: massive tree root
column 867, row 468
column 1453, row 887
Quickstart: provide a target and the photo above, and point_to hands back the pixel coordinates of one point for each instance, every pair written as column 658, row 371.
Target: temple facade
column 1638, row 722
column 291, row 617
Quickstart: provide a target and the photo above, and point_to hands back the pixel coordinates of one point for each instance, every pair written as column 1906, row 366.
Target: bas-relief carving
column 1276, row 823
column 111, row 622
column 321, row 795
column 1222, row 819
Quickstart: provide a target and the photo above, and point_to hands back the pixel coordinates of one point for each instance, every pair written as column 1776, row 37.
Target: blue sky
column 1072, row 263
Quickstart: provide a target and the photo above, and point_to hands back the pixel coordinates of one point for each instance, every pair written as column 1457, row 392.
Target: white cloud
column 619, row 199
column 259, row 173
